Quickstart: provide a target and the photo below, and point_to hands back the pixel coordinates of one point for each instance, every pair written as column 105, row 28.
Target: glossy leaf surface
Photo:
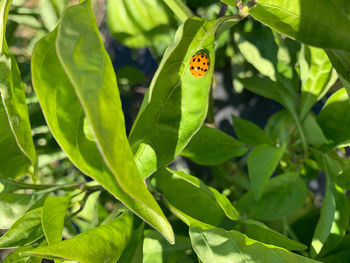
column 81, row 103
column 298, row 20
column 317, row 76
column 211, row 147
column 52, row 221
column 260, row 232
column 218, row 245
column 207, row 204
column 13, row 206
column 15, row 132
column 334, row 118
column 103, row 244
column 282, row 196
column 139, row 23
column 24, row 231
column 157, row 251
column 176, row 104
column 262, row 162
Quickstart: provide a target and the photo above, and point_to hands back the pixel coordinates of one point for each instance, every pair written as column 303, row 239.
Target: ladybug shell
column 199, row 65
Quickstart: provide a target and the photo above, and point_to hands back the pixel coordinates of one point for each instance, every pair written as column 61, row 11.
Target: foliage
column 77, row 185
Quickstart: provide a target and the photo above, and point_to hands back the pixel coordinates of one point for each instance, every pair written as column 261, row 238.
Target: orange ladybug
column 199, row 65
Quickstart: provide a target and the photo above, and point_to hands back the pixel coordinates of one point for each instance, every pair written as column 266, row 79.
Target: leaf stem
column 179, row 8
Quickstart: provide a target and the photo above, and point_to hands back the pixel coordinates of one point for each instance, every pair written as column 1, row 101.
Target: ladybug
column 199, row 65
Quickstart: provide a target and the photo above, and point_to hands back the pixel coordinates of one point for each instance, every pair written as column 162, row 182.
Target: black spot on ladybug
column 205, row 70
column 199, row 60
column 202, row 56
column 194, row 60
column 208, row 63
column 201, row 69
column 203, row 63
column 192, row 67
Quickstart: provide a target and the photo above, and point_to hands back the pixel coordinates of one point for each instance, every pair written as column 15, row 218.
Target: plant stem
column 179, row 8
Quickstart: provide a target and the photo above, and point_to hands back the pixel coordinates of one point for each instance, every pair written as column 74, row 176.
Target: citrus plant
column 77, row 185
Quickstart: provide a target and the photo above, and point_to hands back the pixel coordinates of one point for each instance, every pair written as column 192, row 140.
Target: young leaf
column 218, row 245
column 192, row 200
column 156, row 250
column 249, row 132
column 211, row 147
column 103, row 244
column 299, row 20
column 260, row 232
column 15, row 132
column 280, row 126
column 24, row 231
column 262, row 162
column 282, row 196
column 13, row 206
column 317, row 77
column 313, row 132
column 52, row 220
column 177, row 102
column 334, row 118
column 75, row 93
column 139, row 23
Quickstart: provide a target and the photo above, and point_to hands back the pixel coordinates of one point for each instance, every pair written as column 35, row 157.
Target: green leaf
column 48, row 14
column 313, row 132
column 267, row 88
column 206, row 204
column 260, row 50
column 339, row 170
column 76, row 85
column 334, row 219
column 139, row 23
column 279, row 127
column 299, row 20
column 13, row 206
column 260, row 232
column 17, row 256
column 211, row 147
column 103, row 244
column 15, row 133
column 282, row 196
column 155, row 250
column 133, row 253
column 179, row 8
column 52, row 220
column 262, row 162
column 88, row 217
column 218, row 245
column 334, row 118
column 317, row 77
column 176, row 105
column 249, row 132
column 24, row 231
column 341, row 62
